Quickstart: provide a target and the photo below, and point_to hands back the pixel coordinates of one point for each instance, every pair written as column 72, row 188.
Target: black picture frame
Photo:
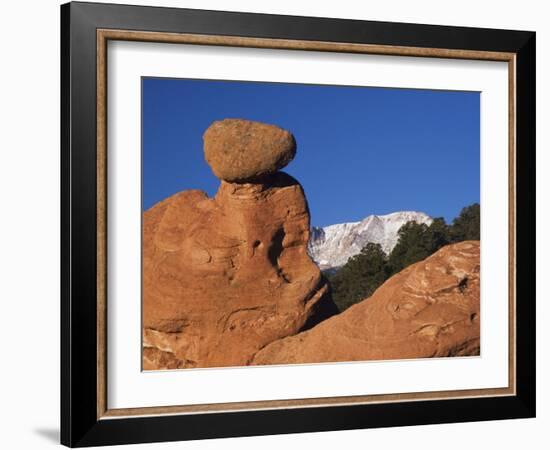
column 80, row 425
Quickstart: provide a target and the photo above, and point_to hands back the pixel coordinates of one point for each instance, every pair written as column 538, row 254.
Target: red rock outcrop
column 223, row 277
column 430, row 309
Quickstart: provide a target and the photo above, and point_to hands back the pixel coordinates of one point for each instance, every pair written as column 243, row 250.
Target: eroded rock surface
column 225, row 276
column 430, row 309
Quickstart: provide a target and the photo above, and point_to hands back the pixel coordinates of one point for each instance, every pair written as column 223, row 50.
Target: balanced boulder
column 223, row 277
column 240, row 150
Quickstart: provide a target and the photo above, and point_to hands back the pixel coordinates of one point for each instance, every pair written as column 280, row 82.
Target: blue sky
column 361, row 150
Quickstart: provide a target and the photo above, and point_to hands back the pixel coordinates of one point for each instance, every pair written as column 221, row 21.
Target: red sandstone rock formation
column 224, row 277
column 430, row 309
column 227, row 281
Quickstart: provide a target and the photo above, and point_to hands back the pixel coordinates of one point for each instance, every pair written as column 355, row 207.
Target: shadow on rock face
column 325, row 308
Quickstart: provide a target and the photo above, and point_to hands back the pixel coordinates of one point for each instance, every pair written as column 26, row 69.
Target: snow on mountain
column 330, row 247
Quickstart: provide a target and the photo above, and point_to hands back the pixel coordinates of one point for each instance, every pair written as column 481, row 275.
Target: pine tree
column 467, row 225
column 416, row 242
column 410, row 248
column 359, row 277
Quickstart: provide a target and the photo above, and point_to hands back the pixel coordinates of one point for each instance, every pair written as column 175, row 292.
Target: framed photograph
column 277, row 224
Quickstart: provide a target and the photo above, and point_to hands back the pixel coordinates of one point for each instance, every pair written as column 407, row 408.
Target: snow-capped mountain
column 330, row 247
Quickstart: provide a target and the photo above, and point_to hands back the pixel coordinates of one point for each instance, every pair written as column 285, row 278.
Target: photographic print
column 297, row 224
column 272, row 224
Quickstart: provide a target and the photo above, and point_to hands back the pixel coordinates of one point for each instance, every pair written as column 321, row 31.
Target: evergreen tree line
column 366, row 271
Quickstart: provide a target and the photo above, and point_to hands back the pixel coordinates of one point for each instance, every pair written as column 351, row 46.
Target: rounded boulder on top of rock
column 238, row 150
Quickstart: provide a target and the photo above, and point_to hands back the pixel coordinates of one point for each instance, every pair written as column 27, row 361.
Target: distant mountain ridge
column 331, row 246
